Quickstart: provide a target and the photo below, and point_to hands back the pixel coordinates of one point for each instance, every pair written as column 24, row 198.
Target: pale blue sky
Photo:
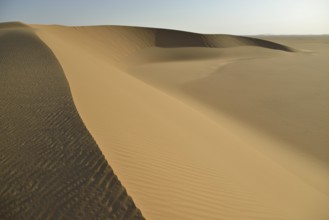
column 206, row 16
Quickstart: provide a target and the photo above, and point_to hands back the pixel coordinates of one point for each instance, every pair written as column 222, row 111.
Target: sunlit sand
column 204, row 126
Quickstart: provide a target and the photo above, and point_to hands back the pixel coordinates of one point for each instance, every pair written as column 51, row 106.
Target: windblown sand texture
column 204, row 126
column 50, row 166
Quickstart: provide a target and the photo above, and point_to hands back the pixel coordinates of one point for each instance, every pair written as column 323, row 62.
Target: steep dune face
column 171, row 38
column 50, row 166
column 173, row 115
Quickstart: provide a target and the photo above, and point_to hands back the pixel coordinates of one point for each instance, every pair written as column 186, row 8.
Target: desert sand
column 50, row 166
column 204, row 126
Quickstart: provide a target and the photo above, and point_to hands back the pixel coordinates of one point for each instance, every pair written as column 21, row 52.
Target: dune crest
column 15, row 25
column 117, row 42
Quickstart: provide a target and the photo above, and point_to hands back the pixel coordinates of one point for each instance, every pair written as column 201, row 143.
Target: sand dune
column 50, row 166
column 115, row 43
column 203, row 126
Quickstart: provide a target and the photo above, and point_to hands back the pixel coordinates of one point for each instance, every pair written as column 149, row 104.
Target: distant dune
column 116, row 42
column 195, row 126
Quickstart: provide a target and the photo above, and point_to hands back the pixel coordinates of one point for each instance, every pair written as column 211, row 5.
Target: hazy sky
column 206, row 16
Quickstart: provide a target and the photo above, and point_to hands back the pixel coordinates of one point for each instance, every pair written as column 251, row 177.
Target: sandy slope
column 236, row 131
column 50, row 166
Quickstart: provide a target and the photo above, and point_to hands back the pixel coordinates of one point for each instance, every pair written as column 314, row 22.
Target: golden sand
column 205, row 126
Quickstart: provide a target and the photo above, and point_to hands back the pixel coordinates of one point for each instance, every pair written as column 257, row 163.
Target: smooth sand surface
column 205, row 127
column 50, row 166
